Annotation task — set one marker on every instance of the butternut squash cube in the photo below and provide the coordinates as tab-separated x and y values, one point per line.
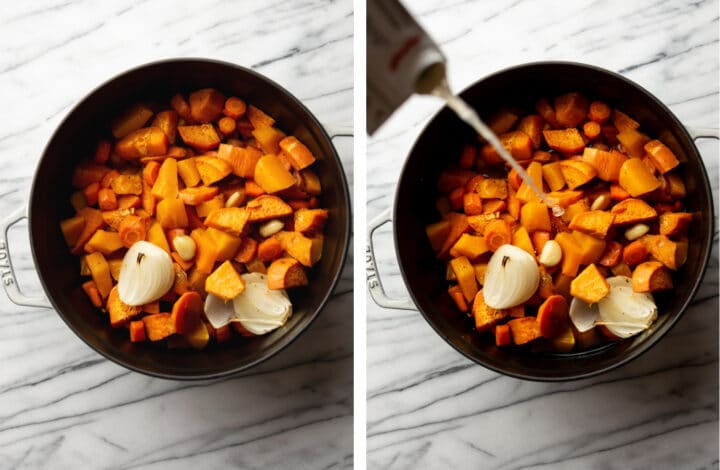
590	286
225	282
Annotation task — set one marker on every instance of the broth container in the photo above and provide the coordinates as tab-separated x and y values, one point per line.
401	60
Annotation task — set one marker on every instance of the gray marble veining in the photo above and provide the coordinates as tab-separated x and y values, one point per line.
61	404
429	407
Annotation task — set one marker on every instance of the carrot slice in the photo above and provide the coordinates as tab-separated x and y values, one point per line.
553	316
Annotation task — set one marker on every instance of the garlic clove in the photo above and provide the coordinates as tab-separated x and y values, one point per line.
185	247
259	309
512	277
146	274
551	254
271	227
582	315
217	311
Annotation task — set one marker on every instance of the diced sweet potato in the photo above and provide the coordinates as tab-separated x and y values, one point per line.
567	141
532	126
553	317
198	195
225	282
651	276
202	137
167	121
486	317
595	223
132	120
93	221
606	164
572	253
517	143
566	198
271	175
622	121
636	178
170	213
571	109
454	178
212	169
525	193
534	216
591	248
285	273
552	174
118	311
670	253
492	188
104	242
268	139
306	250
226	244
502	121
632	211
612	254
633	142
145	142
127	184
523	330
674	223
521	239
166	184
576	173
258	118
206	105
661	156
229	219
267	207
159	326
470	246
137	331
590	286
71	229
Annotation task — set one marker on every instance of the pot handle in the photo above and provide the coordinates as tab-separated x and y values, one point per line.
373	275
7	272
339	131
703	132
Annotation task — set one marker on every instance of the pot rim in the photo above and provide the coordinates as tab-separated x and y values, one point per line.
286	340
652	338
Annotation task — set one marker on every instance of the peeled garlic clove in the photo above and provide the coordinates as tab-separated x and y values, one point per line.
512	277
146	274
185	247
259	309
582	315
270	227
551	253
625	312
217	311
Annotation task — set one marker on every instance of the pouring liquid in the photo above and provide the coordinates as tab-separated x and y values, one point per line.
469	116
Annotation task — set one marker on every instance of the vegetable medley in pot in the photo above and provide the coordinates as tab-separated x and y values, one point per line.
570	282
195	217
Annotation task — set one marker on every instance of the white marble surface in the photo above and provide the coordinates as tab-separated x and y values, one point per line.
61	404
429	407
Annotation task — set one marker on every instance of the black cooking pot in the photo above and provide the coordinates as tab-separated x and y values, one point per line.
58	270
415	208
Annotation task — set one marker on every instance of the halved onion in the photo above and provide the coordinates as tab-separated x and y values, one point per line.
582	315
146	274
625	312
218	312
512	277
260	309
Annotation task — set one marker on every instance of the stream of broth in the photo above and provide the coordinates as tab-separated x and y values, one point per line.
469	116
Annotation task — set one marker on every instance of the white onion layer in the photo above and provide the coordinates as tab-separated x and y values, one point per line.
146	274
512	277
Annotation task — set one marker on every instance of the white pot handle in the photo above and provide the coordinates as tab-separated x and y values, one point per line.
7	272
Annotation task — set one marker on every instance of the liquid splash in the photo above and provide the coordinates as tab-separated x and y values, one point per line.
469	116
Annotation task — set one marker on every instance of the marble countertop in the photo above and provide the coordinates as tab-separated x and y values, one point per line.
61	404
428	406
